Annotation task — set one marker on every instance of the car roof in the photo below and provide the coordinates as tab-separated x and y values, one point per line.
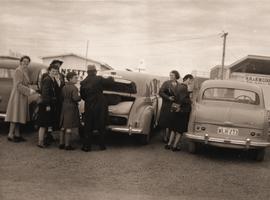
140	79
132	76
231	84
8	63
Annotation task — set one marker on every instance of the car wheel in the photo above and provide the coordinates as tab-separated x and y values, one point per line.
259	154
193	147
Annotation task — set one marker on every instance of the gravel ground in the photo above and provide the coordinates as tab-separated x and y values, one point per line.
128	171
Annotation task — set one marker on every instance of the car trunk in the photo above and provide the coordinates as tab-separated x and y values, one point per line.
230	114
120	100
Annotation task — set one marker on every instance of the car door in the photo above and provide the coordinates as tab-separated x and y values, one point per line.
6	83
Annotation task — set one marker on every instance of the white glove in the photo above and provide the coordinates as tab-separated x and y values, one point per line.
32	91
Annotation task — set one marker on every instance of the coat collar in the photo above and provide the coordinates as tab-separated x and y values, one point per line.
25	72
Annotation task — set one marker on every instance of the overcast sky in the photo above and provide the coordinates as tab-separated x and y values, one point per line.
164	35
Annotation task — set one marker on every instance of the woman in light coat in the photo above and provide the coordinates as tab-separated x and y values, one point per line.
18	107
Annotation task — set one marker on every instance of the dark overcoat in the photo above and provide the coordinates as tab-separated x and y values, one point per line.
166	91
179	122
59	100
70	116
46	118
58	85
96	107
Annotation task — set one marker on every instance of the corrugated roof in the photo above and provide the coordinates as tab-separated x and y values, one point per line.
78	56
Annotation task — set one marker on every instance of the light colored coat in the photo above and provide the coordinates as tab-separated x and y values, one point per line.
18	107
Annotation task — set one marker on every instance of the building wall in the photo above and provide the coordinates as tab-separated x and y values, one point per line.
72	62
216	73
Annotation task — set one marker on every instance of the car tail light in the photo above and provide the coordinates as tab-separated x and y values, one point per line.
255	134
199	127
268	116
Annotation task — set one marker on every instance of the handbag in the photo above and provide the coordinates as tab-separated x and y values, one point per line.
175	107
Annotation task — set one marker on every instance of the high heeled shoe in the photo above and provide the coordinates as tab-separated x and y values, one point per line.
167	146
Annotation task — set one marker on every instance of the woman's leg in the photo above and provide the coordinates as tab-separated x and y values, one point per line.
171	138
11	130
166	135
17	130
177	139
67	137
67	140
41	136
62	137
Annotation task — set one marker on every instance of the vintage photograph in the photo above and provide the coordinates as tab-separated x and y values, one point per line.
134	100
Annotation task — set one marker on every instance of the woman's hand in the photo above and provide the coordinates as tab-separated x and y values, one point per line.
32	91
171	98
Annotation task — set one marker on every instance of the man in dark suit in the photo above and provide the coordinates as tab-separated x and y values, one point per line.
96	107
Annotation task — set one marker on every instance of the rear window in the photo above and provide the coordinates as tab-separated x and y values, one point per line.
232	95
6	73
121	85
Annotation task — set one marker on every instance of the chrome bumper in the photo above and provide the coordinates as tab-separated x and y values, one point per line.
128	130
2	115
210	140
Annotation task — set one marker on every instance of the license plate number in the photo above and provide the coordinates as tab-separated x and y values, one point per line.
227	131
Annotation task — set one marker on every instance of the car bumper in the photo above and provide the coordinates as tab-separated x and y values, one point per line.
128	130
227	142
2	115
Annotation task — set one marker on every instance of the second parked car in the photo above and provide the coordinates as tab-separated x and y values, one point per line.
230	114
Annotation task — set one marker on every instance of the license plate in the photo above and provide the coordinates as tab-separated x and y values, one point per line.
227	131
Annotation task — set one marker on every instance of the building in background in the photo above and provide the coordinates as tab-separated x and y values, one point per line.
253	69
73	62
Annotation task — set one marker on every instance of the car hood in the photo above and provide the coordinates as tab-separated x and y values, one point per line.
230	114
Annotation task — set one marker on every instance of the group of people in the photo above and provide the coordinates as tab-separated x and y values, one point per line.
176	108
58	105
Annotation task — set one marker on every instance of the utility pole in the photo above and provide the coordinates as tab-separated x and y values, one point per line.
224	35
86	54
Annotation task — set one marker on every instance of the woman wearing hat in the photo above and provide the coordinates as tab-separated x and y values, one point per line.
47	105
96	108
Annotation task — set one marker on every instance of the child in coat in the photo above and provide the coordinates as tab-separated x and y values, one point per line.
70	116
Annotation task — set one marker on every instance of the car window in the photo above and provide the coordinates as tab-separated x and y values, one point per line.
6	73
232	94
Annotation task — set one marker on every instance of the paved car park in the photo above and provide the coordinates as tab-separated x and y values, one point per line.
128	170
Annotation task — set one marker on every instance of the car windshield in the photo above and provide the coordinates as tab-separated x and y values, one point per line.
232	94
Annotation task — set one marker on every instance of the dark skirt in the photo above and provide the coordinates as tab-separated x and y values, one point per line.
165	115
45	118
179	121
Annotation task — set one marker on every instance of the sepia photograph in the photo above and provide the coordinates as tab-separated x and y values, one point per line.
134	100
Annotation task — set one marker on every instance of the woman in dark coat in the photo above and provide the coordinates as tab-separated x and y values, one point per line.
70	116
180	112
47	106
167	93
96	108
